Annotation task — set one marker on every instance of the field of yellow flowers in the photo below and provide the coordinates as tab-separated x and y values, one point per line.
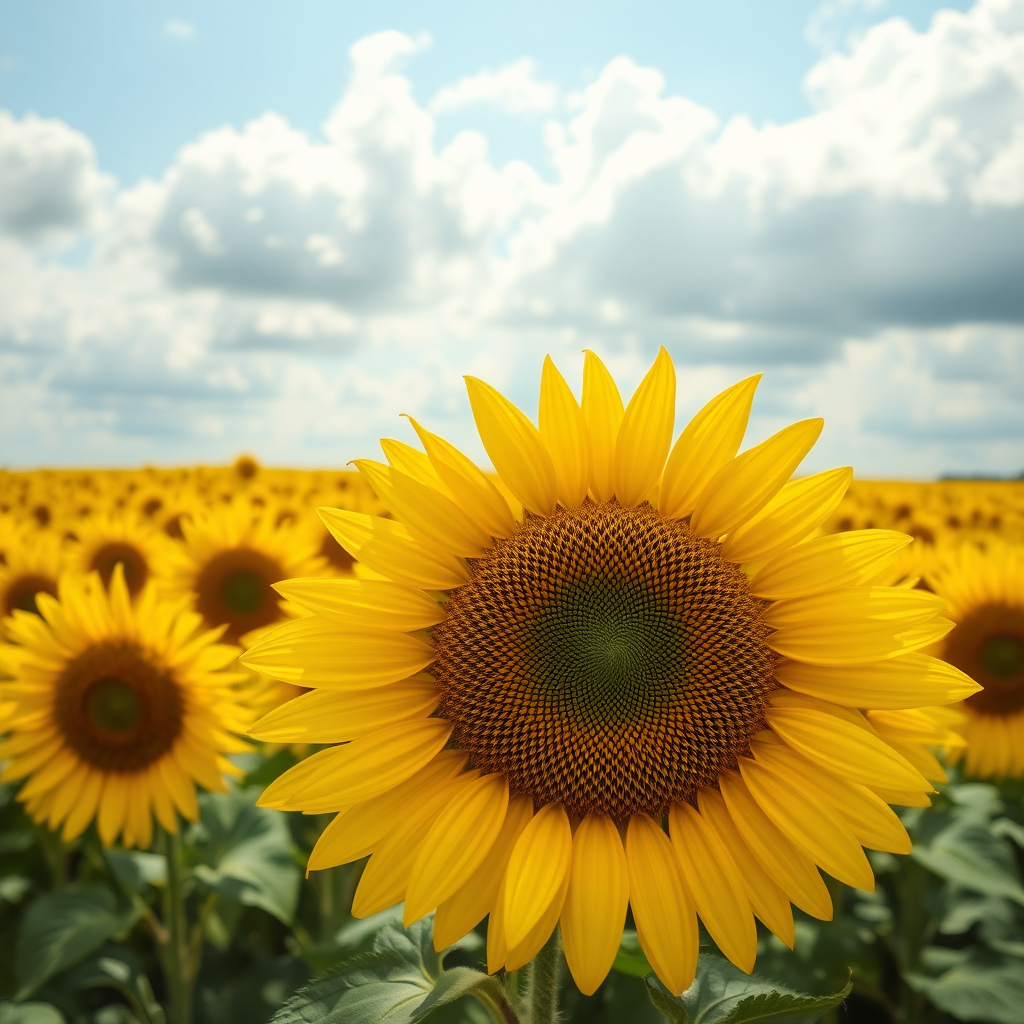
164	858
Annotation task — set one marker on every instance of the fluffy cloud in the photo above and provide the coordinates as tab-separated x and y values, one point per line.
50	187
291	292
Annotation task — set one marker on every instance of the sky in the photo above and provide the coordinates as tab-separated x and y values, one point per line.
274	228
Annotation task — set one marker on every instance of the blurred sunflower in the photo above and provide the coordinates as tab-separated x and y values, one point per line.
110	539
984	594
32	566
116	711
613	659
228	562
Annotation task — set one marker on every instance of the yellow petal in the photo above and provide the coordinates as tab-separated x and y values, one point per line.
596	903
519	956
84	808
711	439
817	829
327	716
785	863
602	411
712	880
318	652
364	604
827	563
871	820
538	866
877	604
910	681
357	831
456	844
645	434
468	484
797	510
845	749
389	548
666	922
464	910
741	488
565	433
426	511
767	900
414	463
362	769
113	805
385	878
515	448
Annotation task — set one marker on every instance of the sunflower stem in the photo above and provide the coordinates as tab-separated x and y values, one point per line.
179	989
542	982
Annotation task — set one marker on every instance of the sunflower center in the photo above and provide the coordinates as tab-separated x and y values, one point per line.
606	658
22	592
113	707
234	587
988	644
118	708
131	560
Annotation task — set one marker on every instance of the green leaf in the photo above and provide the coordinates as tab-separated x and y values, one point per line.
247	853
400	981
630	958
722	994
63	927
30	1013
976	991
137	869
969	854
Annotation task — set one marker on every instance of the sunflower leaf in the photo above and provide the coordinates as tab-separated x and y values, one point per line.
968	853
976	990
722	994
30	1013
247	853
400	981
62	928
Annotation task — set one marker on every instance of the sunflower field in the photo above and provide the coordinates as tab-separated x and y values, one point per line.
637	724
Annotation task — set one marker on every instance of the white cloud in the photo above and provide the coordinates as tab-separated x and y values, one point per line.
292	292
514	88
50	187
177	28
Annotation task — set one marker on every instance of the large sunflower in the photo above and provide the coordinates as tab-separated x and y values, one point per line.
643	693
228	562
984	594
116	711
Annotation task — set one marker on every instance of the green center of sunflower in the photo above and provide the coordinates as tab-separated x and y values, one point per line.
606	658
235	588
1003	656
118	707
244	592
113	707
611	647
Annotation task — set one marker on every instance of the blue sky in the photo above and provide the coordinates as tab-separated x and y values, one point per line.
141	79
273	227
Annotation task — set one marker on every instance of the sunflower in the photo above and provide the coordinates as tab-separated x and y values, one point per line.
984	592
32	565
117	712
229	560
118	538
642	694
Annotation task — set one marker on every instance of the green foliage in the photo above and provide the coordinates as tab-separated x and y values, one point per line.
62	928
246	853
400	981
722	994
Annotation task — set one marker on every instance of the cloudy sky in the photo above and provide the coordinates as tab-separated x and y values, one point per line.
271	227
